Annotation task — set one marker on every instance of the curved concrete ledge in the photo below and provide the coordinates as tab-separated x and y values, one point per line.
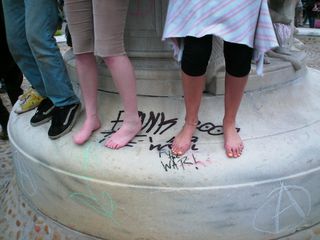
160	76
142	192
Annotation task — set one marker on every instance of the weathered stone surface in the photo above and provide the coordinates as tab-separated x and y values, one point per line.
143	192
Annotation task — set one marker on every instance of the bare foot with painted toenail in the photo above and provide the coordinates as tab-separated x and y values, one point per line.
182	141
232	142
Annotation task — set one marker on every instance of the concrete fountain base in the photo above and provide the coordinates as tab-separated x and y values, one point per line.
143	192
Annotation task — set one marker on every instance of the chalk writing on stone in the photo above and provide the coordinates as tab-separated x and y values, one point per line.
284	210
27	181
99	202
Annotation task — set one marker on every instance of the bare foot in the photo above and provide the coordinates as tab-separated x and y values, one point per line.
89	126
125	134
232	141
182	141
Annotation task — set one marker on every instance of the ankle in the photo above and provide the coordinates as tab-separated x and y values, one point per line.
191	121
92	116
229	121
132	119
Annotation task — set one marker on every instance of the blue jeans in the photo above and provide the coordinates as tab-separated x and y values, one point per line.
30	27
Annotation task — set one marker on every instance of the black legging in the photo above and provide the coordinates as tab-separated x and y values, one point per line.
197	52
9	72
13	79
4	116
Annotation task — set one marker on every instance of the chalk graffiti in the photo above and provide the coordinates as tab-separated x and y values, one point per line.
101	203
172	162
285	209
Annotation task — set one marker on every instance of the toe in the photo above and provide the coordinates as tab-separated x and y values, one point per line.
176	150
77	140
236	153
229	151
240	151
109	144
241	147
116	146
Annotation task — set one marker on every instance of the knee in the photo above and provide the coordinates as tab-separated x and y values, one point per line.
110	61
196	55
117	61
238	59
14	43
85	59
40	37
33	37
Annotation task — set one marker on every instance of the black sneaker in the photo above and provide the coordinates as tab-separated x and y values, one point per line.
43	113
63	119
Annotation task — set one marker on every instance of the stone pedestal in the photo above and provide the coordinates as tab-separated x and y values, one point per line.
143	192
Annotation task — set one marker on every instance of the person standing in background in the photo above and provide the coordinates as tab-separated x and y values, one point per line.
310	13
11	75
298	20
30	27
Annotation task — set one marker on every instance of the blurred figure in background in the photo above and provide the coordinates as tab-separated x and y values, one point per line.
310	13
11	76
298	22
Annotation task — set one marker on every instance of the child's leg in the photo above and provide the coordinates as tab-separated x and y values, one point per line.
192	88
194	63
80	22
234	88
238	64
123	76
109	23
87	73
